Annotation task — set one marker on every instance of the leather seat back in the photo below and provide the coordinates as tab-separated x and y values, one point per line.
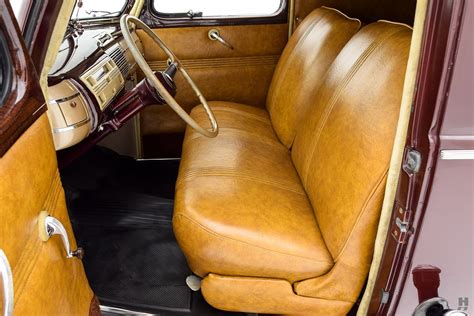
343	147
304	62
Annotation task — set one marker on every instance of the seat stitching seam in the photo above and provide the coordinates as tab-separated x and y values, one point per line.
188	175
246	243
271	142
331	104
335	97
291	57
236	111
239	112
362	211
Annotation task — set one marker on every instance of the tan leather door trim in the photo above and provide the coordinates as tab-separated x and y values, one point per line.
221	62
45	282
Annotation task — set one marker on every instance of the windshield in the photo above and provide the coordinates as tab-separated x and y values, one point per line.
94	9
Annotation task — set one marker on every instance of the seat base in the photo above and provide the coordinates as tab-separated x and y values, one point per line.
266	296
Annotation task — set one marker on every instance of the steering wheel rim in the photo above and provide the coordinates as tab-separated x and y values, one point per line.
169	99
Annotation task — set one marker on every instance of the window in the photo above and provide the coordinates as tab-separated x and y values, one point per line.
20	8
213	8
5	70
94	9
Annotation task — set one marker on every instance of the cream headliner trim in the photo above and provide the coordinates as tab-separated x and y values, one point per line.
137	8
55	42
397	153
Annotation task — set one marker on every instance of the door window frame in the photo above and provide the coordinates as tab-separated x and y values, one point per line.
155	19
6	70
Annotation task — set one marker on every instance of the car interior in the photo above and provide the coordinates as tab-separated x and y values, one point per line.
205	163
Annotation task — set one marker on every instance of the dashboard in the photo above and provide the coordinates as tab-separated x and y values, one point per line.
90	73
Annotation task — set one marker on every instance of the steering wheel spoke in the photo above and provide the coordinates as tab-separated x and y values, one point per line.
167	75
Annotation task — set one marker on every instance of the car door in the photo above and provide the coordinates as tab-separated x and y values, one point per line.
37	274
256	33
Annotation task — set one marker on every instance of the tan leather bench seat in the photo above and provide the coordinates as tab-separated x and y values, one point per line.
249	173
279	212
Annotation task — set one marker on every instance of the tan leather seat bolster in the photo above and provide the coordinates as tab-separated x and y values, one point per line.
260	295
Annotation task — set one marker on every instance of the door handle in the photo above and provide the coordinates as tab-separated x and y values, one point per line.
7	284
214	35
50	226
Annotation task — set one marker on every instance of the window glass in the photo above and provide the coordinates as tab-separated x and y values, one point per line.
214	8
5	70
18	7
94	9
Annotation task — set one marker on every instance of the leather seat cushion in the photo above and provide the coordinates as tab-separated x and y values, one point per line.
234	119
240	207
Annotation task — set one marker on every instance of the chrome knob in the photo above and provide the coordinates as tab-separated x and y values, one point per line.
214	35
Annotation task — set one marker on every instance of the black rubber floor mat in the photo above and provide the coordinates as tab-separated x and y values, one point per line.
132	259
137	269
121	210
102	168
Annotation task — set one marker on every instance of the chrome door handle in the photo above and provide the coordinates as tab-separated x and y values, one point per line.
214	35
52	226
7	284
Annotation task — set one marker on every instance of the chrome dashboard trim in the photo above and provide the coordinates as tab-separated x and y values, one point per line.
457	154
65	99
71	127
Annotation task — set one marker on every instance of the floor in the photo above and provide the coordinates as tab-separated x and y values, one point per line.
121	211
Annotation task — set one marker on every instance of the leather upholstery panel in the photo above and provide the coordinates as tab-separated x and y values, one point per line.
269	296
343	150
343	147
264	224
368	11
191	43
235	118
45	282
303	64
352	267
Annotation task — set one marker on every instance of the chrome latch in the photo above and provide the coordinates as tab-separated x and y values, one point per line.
401	227
412	162
50	226
103	39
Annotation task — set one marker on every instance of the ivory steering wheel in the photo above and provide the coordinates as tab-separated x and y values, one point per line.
169	99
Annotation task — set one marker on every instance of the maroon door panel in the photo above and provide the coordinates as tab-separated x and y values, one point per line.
446	238
439	49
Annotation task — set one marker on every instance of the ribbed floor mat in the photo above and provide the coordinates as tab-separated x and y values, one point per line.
121	211
132	259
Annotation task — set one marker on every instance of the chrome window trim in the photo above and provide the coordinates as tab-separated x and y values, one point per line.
122	311
457	154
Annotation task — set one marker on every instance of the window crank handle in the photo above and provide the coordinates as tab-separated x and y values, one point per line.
214	35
